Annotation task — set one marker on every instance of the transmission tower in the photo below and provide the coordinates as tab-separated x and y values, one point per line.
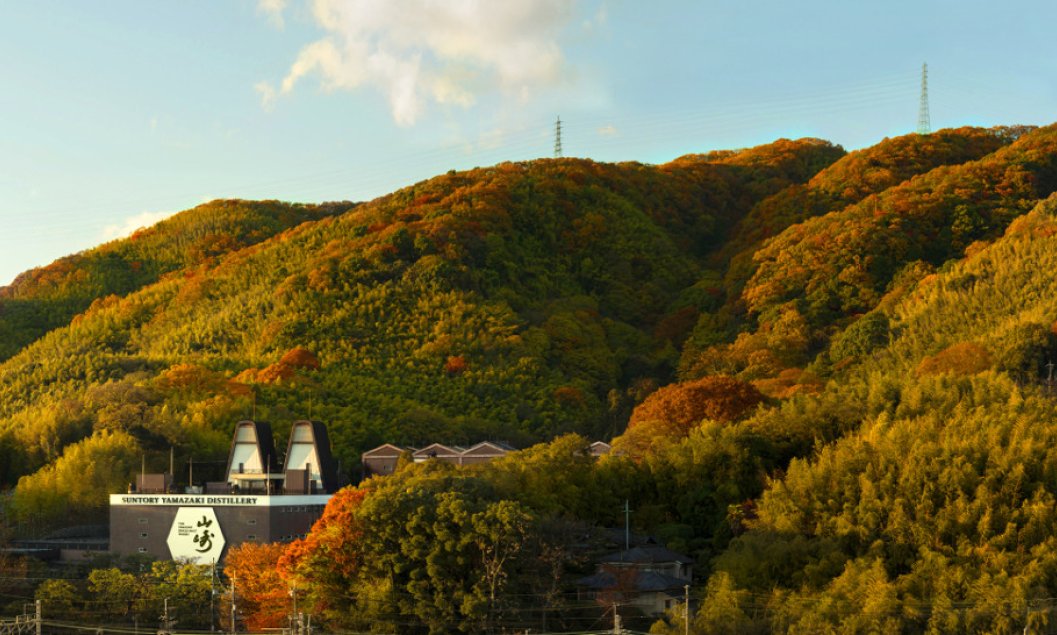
558	138
924	125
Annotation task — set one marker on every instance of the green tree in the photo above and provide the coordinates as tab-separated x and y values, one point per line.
863	336
117	596
80	480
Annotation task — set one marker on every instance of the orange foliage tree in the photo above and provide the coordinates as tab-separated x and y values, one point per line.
686	404
325	561
456	365
300	358
963	358
263	595
284	369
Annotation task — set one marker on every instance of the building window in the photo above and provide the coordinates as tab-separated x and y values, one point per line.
142	534
142	550
143	521
251	537
252	521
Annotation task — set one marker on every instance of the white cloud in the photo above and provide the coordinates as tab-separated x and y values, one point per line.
274	10
608	131
128	226
267	93
600	19
417	52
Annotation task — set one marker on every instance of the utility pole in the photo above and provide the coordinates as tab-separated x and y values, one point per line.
924	124
37	616
295	619
558	138
234	628
617	628
167	620
686	605
627	525
212	595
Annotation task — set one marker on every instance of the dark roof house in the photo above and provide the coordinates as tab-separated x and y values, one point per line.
650	577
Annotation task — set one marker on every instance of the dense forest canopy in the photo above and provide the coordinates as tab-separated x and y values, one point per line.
827	376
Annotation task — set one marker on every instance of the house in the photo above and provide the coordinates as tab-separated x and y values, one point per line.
650	577
484	452
598	448
382	459
439	451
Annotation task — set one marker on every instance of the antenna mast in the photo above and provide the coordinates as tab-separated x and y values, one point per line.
924	125
558	138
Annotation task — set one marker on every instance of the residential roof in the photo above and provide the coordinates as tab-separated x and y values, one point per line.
646	554
617	535
600	447
386	450
488	448
643	580
439	449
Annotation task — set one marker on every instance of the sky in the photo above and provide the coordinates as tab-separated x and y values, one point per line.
116	114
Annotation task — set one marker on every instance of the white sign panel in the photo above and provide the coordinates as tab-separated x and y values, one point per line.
195	535
219	500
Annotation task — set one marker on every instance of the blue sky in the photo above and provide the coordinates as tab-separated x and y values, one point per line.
115	114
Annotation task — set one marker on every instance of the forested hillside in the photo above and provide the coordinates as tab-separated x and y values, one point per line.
828	377
513	302
45	298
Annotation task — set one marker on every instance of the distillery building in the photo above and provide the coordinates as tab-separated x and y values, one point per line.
262	499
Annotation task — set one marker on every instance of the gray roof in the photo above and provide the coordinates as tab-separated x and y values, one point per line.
386	450
646	554
643	581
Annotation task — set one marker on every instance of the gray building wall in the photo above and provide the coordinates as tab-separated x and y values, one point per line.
144	529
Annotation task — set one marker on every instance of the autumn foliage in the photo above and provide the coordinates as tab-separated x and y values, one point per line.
963	358
328	556
263	595
314	567
686	404
286	368
456	365
300	358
